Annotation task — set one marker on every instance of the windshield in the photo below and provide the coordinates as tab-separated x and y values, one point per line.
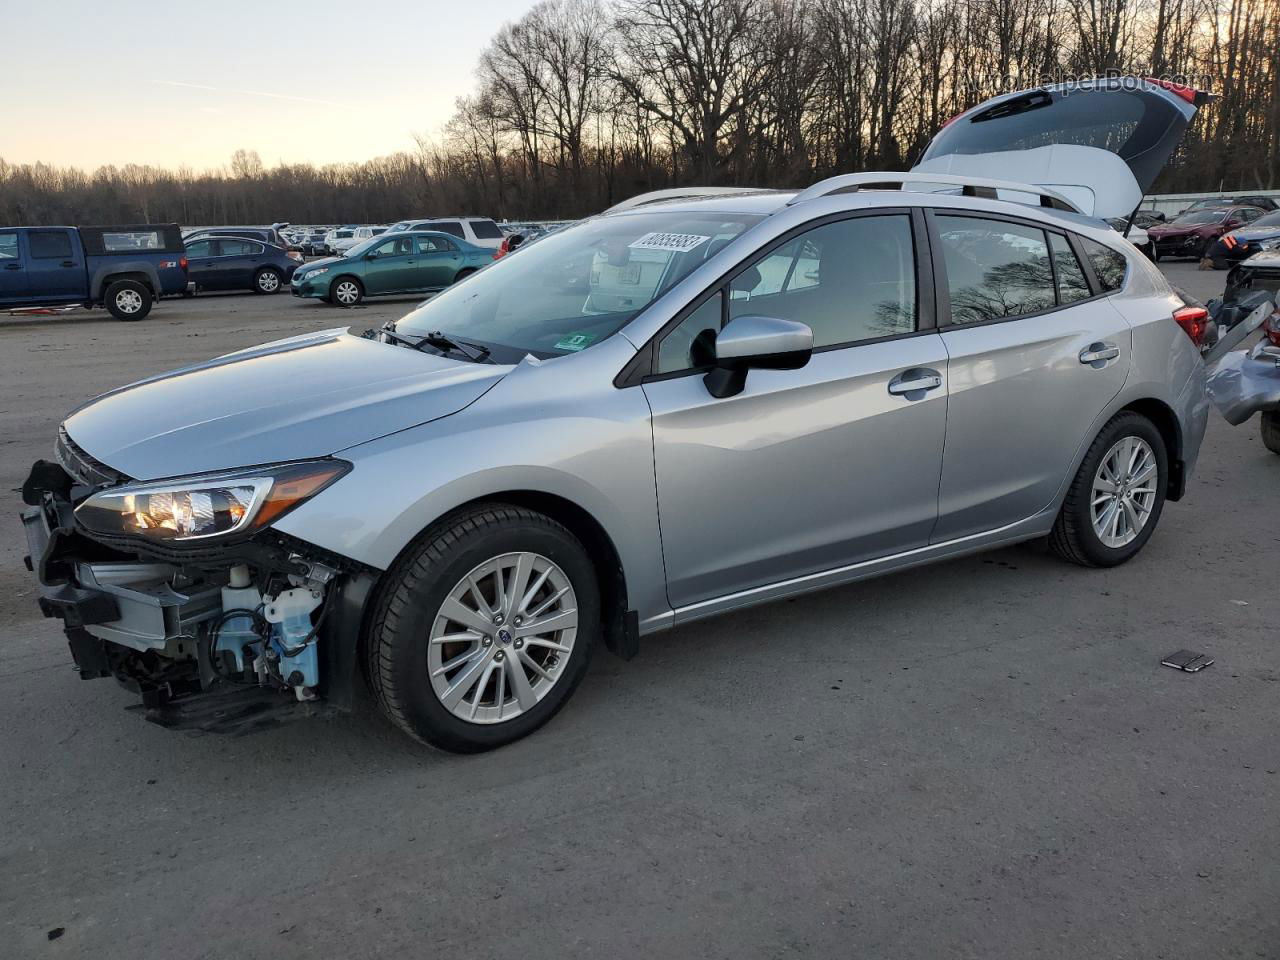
578	287
1202	216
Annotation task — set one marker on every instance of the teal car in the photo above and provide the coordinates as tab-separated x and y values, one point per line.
416	261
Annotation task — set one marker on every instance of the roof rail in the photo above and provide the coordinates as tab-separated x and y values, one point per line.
968	186
679	193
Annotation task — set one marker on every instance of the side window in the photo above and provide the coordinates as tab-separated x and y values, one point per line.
1072	285
850	280
8	246
452	227
428	245
230	247
49	245
1108	264
691	344
199	249
994	269
385	249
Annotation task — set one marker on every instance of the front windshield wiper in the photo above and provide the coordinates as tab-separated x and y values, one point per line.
437	340
475	352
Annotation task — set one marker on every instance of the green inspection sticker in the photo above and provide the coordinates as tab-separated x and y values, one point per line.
575	341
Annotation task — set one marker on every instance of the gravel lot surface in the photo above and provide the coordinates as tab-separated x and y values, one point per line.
978	759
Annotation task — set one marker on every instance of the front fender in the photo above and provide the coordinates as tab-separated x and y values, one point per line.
559	428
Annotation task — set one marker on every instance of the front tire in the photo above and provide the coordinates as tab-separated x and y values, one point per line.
483	629
1117	496
346	292
267	281
128	300
1271	430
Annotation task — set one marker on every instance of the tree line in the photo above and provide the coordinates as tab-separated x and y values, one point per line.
582	103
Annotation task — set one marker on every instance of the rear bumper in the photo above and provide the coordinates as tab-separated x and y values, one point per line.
1243	384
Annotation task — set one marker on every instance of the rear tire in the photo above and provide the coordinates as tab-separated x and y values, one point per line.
463	274
1085	532
346	292
444	707
128	300
266	280
1271	430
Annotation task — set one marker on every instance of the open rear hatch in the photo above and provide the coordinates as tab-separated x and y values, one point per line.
1100	143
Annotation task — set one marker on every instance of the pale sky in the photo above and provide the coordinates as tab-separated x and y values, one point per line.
90	82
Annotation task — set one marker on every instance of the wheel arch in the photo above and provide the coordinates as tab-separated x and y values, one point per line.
137	276
1166	421
620	623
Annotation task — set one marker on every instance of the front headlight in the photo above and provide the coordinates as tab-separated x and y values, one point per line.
1270	243
314	273
210	505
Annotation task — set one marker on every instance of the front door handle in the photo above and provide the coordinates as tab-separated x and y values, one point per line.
1097	354
917	382
68	263
13	266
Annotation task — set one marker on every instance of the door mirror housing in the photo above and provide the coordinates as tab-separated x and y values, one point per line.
371	255
765	343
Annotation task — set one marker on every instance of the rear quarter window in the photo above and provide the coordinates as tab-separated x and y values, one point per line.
486	230
1109	265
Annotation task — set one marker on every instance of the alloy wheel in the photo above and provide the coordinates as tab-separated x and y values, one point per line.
268	281
128	301
502	638
1124	491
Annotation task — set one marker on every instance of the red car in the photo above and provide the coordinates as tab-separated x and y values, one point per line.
1194	232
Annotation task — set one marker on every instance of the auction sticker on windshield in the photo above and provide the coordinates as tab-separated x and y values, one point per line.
575	341
673	242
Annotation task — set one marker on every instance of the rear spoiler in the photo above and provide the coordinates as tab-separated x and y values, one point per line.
1197	98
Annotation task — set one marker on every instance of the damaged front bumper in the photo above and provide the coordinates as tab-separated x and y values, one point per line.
156	617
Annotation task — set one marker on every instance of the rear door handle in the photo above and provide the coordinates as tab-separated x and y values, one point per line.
1097	354
68	263
915	381
13	266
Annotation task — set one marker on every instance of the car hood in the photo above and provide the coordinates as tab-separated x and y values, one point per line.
307	396
1255	233
322	262
1179	230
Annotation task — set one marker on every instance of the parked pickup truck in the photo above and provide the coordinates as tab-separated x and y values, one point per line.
122	268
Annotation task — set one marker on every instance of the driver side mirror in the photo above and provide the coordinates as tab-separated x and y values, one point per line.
755	342
371	255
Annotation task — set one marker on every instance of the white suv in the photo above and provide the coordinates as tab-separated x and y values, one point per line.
480	231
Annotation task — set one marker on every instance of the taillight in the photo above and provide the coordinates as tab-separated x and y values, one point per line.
1271	327
182	262
294	255
1194	321
503	249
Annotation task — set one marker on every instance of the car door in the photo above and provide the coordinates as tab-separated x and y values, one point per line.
238	261
202	263
438	262
55	265
13	268
812	469
1032	363
391	266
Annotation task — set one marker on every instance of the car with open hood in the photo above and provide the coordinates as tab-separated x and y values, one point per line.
751	395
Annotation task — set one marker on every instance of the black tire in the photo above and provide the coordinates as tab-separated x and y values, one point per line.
1155	254
128	300
1073	537
1271	430
463	274
341	285
412	593
267	281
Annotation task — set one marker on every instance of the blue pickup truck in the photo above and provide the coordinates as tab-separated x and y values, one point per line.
125	269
